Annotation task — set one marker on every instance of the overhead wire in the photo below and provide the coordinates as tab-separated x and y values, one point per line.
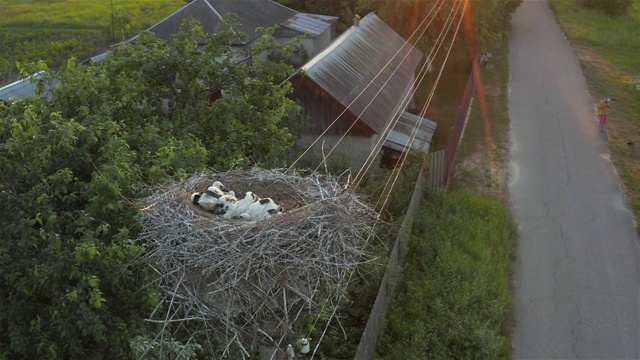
396	117
423	111
421	76
365	88
402	103
405	154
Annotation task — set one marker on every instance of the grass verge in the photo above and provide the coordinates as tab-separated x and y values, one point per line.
483	156
454	296
609	53
455	299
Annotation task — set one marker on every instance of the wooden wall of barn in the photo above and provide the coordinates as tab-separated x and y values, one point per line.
322	109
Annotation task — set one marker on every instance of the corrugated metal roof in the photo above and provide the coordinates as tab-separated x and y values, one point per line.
314	24
347	67
401	133
21	89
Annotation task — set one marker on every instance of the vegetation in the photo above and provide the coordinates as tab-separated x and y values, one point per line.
144	116
54	31
72	162
483	156
454	296
608	52
490	17
612	8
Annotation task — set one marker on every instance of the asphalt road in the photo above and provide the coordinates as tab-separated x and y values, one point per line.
576	276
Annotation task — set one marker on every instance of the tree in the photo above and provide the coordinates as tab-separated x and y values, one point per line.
490	17
73	163
6	68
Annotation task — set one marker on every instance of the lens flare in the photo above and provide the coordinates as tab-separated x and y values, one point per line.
484	112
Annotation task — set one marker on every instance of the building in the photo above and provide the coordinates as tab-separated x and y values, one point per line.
251	14
357	91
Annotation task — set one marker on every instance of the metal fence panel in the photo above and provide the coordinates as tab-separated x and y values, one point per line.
437	161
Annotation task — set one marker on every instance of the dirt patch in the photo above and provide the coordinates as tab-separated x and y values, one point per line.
492	91
479	173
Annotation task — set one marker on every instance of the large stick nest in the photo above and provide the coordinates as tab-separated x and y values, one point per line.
242	277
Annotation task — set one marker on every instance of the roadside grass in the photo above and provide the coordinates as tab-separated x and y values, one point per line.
609	53
454	298
483	157
53	31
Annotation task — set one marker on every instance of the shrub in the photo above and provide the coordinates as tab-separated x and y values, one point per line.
453	298
611	8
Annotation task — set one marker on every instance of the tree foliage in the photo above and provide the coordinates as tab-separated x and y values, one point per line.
73	160
490	17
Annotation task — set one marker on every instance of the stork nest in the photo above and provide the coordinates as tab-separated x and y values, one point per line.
249	281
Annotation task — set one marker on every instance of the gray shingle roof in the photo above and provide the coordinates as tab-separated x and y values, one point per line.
350	67
197	9
254	13
251	15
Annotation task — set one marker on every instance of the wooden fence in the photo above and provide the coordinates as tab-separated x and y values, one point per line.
375	324
440	166
453	144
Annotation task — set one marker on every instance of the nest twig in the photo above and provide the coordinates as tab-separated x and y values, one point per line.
248	282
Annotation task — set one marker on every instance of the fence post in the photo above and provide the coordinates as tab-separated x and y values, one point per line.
461	120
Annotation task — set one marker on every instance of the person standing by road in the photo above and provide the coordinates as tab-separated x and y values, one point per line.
603	112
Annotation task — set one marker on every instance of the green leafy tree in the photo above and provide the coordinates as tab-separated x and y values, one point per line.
490	17
6	68
71	163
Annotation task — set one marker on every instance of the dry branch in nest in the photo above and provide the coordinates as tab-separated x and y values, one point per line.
248	281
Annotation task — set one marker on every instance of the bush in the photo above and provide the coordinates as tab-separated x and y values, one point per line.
71	162
611	8
453	299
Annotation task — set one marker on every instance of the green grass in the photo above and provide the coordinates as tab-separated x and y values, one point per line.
483	156
618	39
54	30
454	298
609	53
82	14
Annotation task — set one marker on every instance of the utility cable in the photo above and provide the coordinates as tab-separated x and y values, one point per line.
363	90
405	155
421	75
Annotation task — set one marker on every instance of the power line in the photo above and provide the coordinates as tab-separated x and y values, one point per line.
402	103
362	91
398	172
405	154
396	117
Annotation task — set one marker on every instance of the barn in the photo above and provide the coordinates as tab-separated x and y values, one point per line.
358	90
